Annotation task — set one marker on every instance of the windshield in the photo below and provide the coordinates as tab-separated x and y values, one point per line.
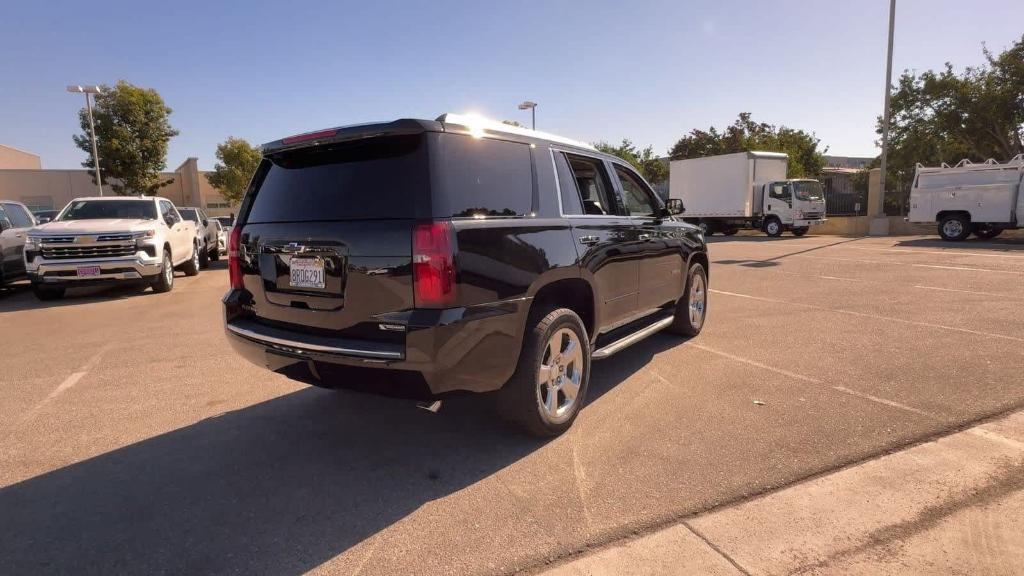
807	190
189	214
98	209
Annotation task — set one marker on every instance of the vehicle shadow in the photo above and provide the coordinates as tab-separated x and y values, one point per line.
1008	244
774	261
279	487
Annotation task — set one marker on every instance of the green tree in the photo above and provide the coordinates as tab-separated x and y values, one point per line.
132	132
237	161
945	117
650	167
744	135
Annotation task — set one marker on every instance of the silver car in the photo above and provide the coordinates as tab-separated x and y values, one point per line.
15	220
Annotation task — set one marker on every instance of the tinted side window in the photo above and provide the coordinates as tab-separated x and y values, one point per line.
3	217
571	203
476	177
595	188
18	216
638	202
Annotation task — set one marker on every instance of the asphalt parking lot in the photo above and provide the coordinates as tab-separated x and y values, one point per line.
132	439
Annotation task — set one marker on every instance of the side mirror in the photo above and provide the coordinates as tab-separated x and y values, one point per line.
674	206
43	219
5	224
169	220
206	222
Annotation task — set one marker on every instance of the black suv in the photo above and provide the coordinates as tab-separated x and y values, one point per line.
421	258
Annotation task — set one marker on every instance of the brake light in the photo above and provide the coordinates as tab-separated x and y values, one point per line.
309	136
433	265
234	258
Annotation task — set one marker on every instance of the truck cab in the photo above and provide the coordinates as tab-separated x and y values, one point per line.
795	204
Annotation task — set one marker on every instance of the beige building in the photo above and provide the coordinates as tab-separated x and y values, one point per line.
23	179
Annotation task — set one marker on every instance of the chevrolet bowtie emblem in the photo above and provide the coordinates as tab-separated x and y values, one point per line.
85	239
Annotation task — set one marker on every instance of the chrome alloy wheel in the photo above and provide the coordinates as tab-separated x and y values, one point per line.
953	228
773	227
560	376
168	270
698	301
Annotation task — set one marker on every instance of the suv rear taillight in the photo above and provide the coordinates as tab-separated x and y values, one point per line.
234	259
433	265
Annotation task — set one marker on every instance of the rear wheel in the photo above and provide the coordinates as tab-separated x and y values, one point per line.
986	231
165	279
215	253
955	227
692	308
773	227
47	293
550	382
730	231
799	231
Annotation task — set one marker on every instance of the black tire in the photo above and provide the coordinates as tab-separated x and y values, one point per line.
730	231
165	279
47	293
215	253
955	228
204	257
986	231
773	227
799	231
685	324
191	268
522	399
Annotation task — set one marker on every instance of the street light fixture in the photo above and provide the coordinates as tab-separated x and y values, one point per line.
87	90
532	107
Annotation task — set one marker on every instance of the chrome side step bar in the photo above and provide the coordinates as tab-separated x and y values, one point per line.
633	338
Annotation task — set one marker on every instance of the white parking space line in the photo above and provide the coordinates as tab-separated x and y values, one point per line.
808	379
875	316
949	252
913	265
67	383
969	292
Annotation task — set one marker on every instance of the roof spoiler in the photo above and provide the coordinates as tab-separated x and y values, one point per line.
350	132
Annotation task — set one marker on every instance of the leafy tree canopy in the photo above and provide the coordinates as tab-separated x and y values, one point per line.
237	161
744	135
945	117
132	132
650	167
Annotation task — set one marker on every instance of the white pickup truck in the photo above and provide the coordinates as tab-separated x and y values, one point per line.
111	240
983	199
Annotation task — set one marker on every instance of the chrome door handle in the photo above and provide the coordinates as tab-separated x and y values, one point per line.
644	237
589	239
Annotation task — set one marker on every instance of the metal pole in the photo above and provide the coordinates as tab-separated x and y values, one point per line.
533	116
95	153
888	90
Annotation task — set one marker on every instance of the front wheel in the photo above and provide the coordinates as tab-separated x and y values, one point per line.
165	279
773	227
550	382
191	268
692	308
204	257
799	231
955	228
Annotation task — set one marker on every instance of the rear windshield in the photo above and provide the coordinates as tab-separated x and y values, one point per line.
97	209
375	178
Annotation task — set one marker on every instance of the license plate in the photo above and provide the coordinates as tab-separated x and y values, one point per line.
87	271
307	273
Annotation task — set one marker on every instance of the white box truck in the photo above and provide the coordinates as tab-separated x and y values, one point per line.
983	199
745	190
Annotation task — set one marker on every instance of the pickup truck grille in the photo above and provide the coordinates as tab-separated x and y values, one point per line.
90	251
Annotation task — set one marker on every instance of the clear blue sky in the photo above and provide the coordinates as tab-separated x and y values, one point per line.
649	71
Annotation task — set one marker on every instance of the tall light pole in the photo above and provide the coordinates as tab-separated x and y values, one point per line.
87	90
532	107
888	90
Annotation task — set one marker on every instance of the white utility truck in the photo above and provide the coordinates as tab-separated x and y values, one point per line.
983	199
745	190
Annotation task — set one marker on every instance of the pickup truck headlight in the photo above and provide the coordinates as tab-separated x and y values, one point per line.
799	214
144	234
32	243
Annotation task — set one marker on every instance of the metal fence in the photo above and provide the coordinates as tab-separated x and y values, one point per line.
846	192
